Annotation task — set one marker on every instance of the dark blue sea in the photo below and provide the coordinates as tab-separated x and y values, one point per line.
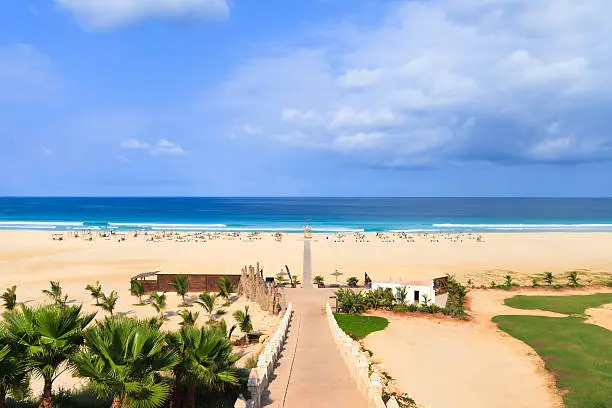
323	214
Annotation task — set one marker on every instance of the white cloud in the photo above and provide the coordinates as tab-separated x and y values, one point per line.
423	73
99	14
358	141
161	147
348	117
165	147
134	144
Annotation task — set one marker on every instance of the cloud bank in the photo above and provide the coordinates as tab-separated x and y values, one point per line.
101	14
501	81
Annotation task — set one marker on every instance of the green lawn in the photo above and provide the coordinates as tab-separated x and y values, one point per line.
572	305
360	326
577	353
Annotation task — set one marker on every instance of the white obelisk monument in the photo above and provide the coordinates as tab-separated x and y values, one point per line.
307	267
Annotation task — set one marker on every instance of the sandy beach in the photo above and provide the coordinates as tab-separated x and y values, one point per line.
30	259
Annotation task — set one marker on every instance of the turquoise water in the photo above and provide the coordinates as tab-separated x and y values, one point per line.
324	214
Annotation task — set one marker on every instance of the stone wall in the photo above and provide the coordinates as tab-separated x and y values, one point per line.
357	361
260	376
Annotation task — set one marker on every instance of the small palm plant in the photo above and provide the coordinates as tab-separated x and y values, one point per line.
352	281
108	302
158	301
225	289
426	300
573	279
49	334
548	278
96	291
319	280
55	293
181	284
9	297
123	357
205	358
137	289
402	294
189	317
207	301
508	282
244	320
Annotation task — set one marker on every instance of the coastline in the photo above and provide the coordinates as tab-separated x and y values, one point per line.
32	256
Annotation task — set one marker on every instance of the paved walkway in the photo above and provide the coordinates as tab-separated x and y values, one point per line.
311	372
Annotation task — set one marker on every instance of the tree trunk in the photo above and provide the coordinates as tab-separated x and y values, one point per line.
46	400
190	396
2	398
117	402
177	397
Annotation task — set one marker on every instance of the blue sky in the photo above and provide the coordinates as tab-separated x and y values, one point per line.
309	97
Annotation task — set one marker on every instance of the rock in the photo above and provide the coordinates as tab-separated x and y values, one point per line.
239	339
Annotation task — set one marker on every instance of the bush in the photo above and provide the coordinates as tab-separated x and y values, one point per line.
350	302
457	294
413	307
352	281
401	308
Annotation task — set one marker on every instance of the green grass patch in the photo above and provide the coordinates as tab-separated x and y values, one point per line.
572	305
578	354
360	326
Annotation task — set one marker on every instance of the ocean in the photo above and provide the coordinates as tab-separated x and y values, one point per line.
323	214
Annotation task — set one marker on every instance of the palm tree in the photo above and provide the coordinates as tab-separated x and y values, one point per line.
207	301
189	318
108	302
181	284
158	301
244	320
402	294
573	279
137	289
225	289
96	291
122	357
221	328
55	293
12	366
548	278
206	358
49	335
10	298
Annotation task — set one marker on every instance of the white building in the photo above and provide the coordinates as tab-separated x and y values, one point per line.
416	290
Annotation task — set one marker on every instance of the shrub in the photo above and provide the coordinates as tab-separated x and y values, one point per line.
319	280
433	308
350	302
352	281
457	294
401	308
413	307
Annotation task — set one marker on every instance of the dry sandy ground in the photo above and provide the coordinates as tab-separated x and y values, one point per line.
475	364
601	316
31	256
